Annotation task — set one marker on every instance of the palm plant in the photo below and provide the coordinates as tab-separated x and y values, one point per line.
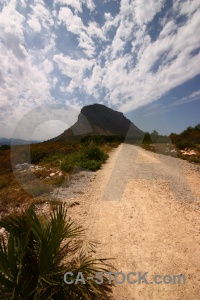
36	254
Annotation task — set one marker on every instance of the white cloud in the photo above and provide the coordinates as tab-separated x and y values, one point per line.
92	85
34	24
85	34
41	12
77	4
24	79
48	66
156	67
168	29
74	69
11	29
110	22
94	30
146	10
87	44
186	7
194	96
72	22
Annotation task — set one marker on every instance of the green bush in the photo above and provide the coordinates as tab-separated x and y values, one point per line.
37	155
53	158
39	252
184	144
66	166
94	153
91	165
90	158
93	140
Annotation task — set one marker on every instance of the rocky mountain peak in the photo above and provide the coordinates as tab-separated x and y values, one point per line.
98	119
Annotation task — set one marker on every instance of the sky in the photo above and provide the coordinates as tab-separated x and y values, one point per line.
140	57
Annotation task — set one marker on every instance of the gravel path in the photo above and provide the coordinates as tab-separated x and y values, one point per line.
77	182
134	164
143	209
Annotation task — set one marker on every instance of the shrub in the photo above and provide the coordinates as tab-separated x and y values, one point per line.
53	158
37	255
37	155
95	153
5	147
66	166
91	165
147	138
90	158
195	160
184	144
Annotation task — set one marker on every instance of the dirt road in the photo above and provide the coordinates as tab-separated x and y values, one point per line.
143	209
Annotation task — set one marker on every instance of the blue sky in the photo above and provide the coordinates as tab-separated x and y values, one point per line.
136	56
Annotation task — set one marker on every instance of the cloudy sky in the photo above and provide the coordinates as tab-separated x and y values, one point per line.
140	57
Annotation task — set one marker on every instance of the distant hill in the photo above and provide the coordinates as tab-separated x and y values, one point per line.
98	119
11	141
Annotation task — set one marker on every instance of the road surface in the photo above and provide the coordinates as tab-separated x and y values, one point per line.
143	209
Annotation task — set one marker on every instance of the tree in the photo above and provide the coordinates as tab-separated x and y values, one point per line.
5	147
147	138
154	136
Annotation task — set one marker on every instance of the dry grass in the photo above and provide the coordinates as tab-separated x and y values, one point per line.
21	187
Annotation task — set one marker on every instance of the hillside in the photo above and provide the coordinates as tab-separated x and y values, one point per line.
98	119
12	141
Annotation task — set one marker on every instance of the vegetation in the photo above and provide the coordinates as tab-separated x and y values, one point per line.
100	140
172	145
18	187
90	158
188	138
5	147
147	138
36	254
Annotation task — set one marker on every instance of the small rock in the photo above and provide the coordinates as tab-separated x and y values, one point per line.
52	174
75	203
2	231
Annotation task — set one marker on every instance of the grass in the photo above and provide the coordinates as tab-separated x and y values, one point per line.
22	187
59	181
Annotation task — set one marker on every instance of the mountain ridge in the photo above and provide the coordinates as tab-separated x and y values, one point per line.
15	141
98	119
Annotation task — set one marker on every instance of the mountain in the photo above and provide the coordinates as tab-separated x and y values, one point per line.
11	141
98	119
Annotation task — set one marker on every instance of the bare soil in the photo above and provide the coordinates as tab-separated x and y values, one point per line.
143	209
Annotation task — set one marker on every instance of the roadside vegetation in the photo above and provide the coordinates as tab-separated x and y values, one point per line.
185	145
29	172
36	252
